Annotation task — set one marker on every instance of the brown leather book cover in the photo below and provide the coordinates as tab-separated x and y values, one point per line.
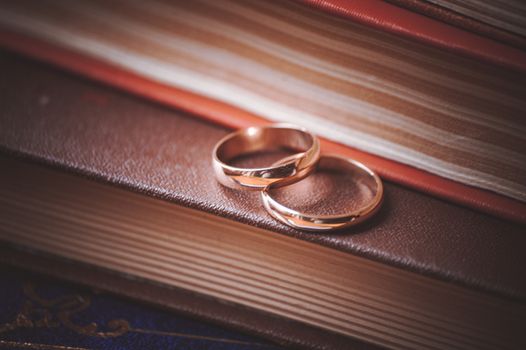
95	131
88	129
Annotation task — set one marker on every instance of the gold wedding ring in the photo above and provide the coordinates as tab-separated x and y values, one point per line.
308	222
289	170
266	138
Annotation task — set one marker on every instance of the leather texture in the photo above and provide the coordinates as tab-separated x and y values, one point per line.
94	131
232	117
400	21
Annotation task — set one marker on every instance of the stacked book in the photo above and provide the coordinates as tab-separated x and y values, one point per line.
115	190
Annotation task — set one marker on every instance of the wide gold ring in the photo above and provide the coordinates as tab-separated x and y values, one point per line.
309	222
266	138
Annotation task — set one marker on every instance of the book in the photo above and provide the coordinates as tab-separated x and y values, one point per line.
502	22
39	312
94	176
438	112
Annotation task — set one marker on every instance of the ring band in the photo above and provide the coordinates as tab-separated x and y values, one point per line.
304	221
266	138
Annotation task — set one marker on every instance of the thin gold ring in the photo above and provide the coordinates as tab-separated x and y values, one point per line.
266	138
308	222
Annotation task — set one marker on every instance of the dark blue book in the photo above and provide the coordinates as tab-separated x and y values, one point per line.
39	312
